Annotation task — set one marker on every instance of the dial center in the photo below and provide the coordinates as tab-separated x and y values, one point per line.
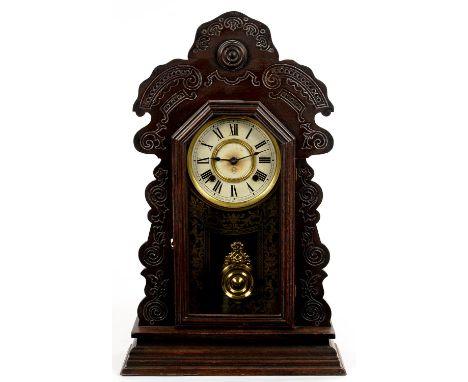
236	160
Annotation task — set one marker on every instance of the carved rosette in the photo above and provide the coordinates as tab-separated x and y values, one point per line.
155	253
313	256
232	55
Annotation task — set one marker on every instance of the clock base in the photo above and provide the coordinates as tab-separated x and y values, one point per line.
173	351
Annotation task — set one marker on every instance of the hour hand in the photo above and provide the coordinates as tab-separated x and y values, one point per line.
217	159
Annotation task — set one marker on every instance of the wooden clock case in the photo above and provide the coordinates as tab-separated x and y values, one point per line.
233	70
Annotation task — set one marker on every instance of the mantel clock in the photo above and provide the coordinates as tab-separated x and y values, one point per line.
233	262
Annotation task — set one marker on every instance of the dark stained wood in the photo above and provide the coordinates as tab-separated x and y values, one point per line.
202	358
171	351
311	308
309	334
284	96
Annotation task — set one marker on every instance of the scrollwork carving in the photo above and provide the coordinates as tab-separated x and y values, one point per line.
153	252
250	27
294	102
153	308
213	29
176	99
313	310
225	222
215	75
313	139
156	195
155	311
305	95
296	80
310	195
157	284
315	256
153	139
188	75
233	23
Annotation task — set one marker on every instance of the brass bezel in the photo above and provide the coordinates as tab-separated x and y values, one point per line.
233	205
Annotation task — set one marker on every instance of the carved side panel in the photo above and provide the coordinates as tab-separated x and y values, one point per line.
312	255
296	87
298	82
162	83
155	254
161	95
168	87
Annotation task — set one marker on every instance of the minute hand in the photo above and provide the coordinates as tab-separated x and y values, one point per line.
251	155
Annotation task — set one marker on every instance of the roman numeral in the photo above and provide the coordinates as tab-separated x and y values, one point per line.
250	187
218	186
264	160
234	128
206	175
218	133
204	144
258	145
261	175
205	160
233	191
247	136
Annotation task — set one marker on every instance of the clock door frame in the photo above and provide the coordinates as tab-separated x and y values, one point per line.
180	142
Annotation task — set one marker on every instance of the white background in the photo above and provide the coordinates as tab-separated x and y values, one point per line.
72	206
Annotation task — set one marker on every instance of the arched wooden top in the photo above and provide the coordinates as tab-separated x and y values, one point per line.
233	58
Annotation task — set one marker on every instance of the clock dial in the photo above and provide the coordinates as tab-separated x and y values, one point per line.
233	162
